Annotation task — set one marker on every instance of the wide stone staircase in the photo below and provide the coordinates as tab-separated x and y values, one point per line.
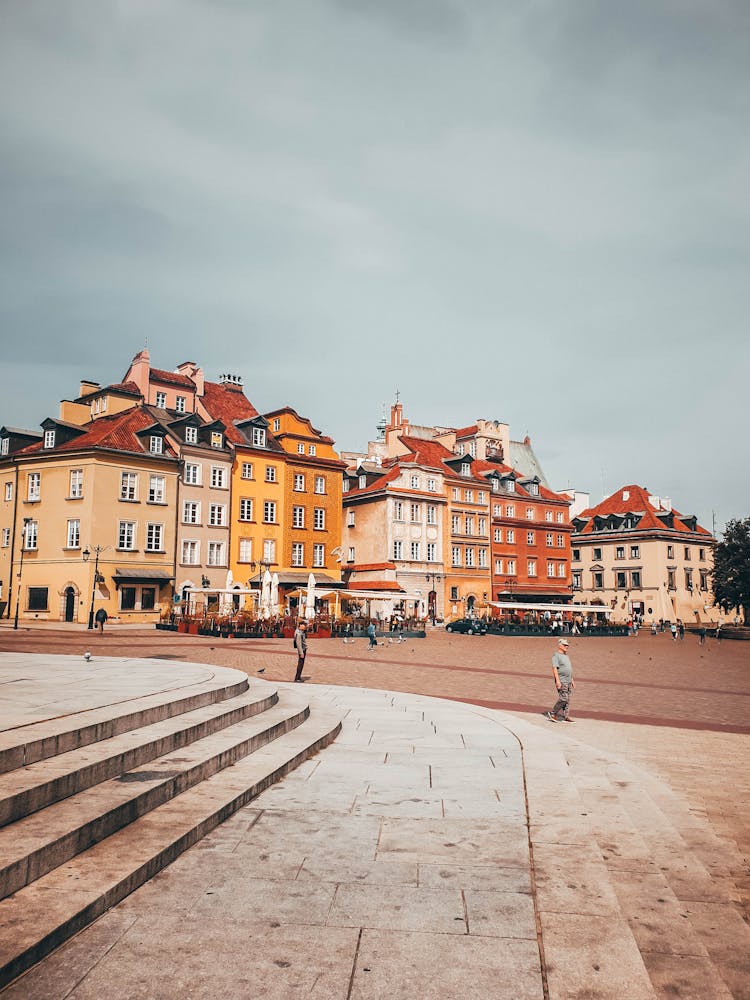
94	802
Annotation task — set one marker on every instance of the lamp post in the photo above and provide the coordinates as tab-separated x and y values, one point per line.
26	522
264	564
98	549
431	577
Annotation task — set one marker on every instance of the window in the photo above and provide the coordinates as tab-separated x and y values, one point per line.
670	580
688	579
218	477
431	552
414	550
670	552
126	535
6	537
469	525
550	569
415	482
4	446
561	570
300	449
510	535
549	539
319	556
511	567
548	515
319	519
510	510
531	567
598	581
456	493
559	517
217	515
481	497
473	449
576	555
498	567
299	482
269	512
49	439
74	535
530	538
298	554
398	549
398	511
190	553
34	483
128	486
456	556
621	580
217	441
362	482
247	470
597	553
495	485
482	530
635	579
702	555
298	517
320	484
246	509
465	468
415	513
154	537
156	485
704	579
192	474
350	554
534	489
635	552
269	550
577	581
179	404
529	513
497	510
687	553
432	485
469	496
510	486
246	550
161	400
37	599
311	450
270	473
9	491
76	484
191	512
191	435
155	444
454	593
498	534
483	558
431	514
560	541
620	552
344	486
350	519
127	598
455	524
216	553
276	424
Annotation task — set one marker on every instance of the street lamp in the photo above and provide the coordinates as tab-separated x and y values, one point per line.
431	577
98	549
26	523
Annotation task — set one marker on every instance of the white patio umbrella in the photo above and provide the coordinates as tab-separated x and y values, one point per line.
275	594
310	601
265	596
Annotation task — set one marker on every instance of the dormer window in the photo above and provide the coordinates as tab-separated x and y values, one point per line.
362	482
4	446
49	439
534	489
510	486
217	439
191	435
156	444
300	449
180	404
276	424
311	450
473	449
345	486
161	400
415	482
495	485
465	468
259	437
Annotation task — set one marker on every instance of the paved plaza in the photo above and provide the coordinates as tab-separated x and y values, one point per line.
439	849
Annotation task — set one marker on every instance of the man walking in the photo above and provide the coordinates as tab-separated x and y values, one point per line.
300	644
562	671
371	636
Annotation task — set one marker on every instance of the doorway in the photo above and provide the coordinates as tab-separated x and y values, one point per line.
70	604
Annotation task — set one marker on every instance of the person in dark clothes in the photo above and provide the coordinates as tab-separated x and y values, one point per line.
300	644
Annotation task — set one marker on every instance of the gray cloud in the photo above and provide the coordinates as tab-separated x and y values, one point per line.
528	211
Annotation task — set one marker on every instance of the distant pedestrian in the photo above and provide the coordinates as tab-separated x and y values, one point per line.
702	635
681	628
371	635
101	617
300	644
718	632
673	630
562	672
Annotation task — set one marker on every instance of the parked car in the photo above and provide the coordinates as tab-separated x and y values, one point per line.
470	626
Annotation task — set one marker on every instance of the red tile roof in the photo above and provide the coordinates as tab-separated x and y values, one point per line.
228	403
466	431
117	432
636	502
173	378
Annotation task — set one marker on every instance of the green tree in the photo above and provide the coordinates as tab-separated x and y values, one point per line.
731	572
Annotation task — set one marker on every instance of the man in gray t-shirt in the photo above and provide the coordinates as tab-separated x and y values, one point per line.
562	671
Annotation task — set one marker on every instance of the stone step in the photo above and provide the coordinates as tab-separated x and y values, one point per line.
41	916
35	845
31	788
36	741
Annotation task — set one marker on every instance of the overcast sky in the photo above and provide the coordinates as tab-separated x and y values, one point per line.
534	211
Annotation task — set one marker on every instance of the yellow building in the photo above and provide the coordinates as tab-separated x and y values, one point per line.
85	499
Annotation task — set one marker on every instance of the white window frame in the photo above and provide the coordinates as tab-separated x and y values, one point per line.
414	551
247	507
271	474
217	515
180	404
191	434
398	549
298	516
259	437
192	475
218	477
34	486
215	554
190	547
319	519
320	485
269	512
129	486
299	482
319	556
191	512
126	536
75	484
74	534
245	550
154	536
247	470
157	488
432	552
156	444
298	554
49	439
161	400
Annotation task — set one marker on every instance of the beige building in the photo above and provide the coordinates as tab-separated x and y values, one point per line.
635	553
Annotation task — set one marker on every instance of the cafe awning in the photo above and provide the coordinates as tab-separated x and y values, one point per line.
128	575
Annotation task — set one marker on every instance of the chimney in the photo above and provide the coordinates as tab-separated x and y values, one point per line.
87	387
195	373
231	380
140	371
